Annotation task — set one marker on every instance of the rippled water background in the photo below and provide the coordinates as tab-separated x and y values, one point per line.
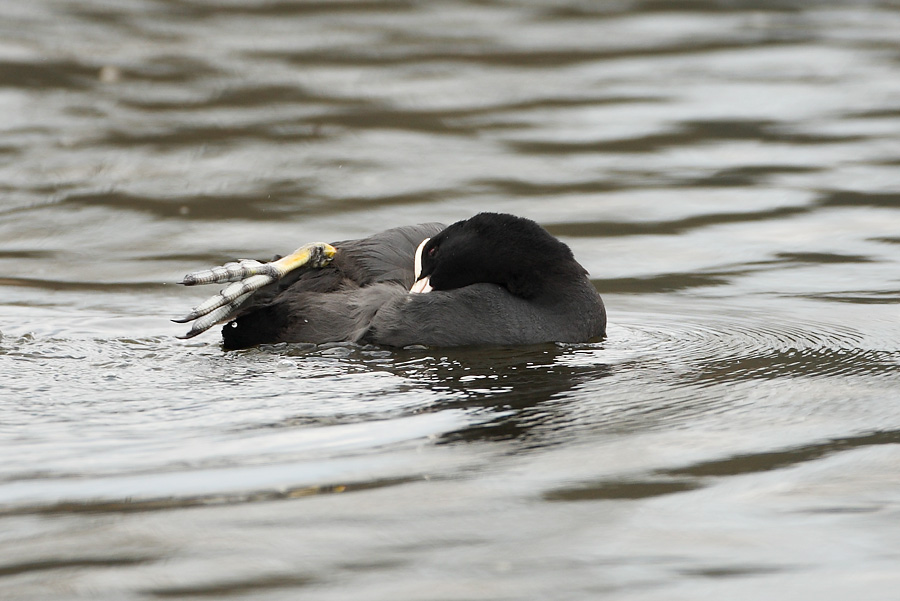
729	173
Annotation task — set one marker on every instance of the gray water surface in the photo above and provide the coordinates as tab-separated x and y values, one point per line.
726	171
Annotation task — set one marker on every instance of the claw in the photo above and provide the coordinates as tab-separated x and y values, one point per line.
229	272
246	277
213	317
227	296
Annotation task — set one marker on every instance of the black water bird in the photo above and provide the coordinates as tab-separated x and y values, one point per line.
493	279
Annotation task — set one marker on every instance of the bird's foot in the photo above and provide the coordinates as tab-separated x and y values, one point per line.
246	277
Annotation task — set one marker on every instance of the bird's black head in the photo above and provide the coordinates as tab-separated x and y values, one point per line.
496	248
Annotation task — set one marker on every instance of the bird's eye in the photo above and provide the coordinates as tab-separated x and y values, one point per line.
432	251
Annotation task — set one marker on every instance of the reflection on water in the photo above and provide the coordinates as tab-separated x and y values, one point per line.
725	171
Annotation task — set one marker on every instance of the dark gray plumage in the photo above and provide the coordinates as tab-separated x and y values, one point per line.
498	280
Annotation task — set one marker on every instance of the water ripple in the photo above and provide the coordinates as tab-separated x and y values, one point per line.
720	349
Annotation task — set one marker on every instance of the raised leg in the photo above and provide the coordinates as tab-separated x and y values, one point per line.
246	277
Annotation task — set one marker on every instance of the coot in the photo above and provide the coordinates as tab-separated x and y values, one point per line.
493	279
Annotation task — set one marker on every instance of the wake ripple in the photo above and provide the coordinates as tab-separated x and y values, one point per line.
751	344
